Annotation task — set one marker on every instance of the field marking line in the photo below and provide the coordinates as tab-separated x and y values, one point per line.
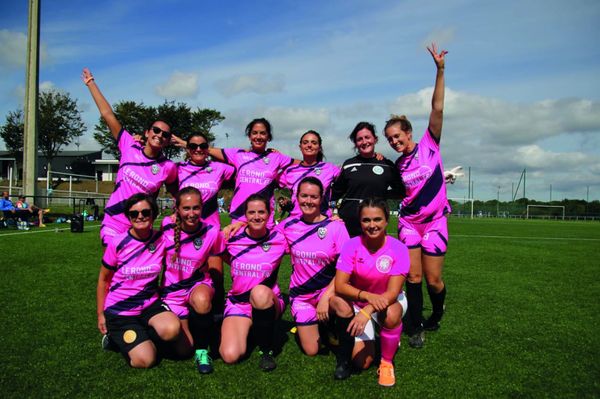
528	238
45	230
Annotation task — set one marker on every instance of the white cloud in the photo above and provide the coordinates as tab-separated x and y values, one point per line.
47	85
441	37
179	85
12	49
259	83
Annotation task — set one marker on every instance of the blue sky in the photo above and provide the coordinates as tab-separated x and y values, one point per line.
521	76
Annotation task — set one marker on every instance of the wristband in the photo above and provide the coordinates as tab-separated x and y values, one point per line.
358	296
365	313
88	80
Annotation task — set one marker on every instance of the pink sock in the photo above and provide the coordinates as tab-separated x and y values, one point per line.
389	342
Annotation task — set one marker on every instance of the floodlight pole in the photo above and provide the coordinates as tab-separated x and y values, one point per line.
31	101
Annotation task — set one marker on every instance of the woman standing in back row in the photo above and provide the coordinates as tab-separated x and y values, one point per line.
422	225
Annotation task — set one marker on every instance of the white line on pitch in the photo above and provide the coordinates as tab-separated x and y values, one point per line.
529	238
45	230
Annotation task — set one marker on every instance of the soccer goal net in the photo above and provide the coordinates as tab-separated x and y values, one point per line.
462	207
545	212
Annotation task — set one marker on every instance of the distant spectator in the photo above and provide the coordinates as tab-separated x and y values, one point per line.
34	210
285	206
5	203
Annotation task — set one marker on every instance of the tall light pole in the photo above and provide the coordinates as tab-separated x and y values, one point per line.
31	100
498	203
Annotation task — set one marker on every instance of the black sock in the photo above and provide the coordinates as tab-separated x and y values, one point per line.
414	296
437	302
201	327
264	327
344	352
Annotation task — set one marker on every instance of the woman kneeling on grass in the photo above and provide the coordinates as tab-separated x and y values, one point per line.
371	271
254	299
129	309
187	286
315	243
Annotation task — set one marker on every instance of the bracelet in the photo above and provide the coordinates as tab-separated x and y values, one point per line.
365	313
358	296
88	80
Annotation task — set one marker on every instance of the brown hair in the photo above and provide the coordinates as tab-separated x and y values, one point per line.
401	120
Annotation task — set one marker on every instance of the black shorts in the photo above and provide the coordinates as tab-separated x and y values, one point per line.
130	331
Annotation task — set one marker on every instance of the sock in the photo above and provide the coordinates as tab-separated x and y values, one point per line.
437	302
264	327
414	296
201	327
390	337
344	352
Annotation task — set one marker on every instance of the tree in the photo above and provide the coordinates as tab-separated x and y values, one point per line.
12	133
59	124
137	117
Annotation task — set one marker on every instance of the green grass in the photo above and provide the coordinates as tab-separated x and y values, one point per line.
521	321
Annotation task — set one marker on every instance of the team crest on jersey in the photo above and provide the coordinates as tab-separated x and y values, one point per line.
197	243
322	232
266	160
152	248
383	263
317	171
378	170
155	169
208	169
266	246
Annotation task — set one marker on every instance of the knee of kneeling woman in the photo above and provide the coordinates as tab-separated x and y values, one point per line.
201	302
311	349
393	316
229	355
340	307
142	361
168	331
261	297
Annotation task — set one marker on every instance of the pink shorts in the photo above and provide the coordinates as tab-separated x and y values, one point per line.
244	309
431	237
304	308
179	301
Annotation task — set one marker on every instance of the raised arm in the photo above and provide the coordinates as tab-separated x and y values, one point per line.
437	100
103	106
216	154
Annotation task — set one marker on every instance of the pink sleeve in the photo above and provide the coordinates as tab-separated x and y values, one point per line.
125	140
230	155
227	171
284	161
342	236
109	259
401	260
219	245
172	177
428	140
345	262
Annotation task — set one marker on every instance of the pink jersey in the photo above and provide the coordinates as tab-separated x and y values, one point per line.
324	171
137	266
371	272
254	262
422	173
255	174
314	249
137	174
190	267
208	179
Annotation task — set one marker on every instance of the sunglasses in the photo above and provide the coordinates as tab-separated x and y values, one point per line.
156	130
194	146
134	214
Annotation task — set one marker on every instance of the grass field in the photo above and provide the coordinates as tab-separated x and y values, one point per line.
521	321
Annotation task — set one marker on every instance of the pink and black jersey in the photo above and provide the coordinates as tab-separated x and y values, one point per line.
136	265
422	173
208	179
190	266
137	174
255	174
371	272
314	249
254	262
324	171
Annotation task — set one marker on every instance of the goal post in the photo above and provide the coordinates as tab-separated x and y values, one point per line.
548	215
467	205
